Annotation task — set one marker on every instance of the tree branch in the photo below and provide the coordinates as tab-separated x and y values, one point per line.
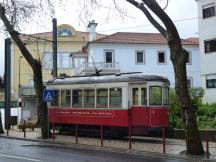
159	12
15	36
149	16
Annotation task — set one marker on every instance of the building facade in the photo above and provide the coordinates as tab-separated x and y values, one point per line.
207	41
40	46
142	52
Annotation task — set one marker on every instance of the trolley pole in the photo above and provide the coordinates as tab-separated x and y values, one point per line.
8	83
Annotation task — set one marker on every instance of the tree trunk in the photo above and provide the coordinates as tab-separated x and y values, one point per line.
193	142
1	126
37	71
41	106
178	57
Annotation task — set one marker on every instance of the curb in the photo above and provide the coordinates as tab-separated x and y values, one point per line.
116	150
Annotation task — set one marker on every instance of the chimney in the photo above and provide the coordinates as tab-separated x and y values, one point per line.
92	30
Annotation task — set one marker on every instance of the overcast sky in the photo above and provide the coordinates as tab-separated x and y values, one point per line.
183	13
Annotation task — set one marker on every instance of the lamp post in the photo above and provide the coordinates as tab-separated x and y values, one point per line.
19	88
19	85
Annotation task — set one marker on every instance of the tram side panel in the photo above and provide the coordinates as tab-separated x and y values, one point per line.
89	117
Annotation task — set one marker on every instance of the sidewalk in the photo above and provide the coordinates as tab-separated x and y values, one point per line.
139	144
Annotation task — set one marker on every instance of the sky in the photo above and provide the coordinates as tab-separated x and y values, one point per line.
183	12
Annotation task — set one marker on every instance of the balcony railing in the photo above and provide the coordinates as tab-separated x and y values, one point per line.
89	67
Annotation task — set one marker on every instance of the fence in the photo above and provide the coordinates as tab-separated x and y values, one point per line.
150	144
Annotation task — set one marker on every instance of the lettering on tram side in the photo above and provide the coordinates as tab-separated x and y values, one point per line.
85	113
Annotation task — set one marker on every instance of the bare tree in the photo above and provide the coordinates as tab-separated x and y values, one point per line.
1	83
178	57
1	126
13	12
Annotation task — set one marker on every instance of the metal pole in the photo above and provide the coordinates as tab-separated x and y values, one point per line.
24	128
76	132
54	43
164	140
129	127
101	133
207	144
53	134
19	86
8	83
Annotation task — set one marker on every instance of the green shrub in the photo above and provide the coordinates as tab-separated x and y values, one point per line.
206	113
175	111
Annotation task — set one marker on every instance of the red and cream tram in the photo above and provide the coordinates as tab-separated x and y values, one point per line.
135	99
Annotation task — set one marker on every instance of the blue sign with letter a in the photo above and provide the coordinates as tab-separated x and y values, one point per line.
48	95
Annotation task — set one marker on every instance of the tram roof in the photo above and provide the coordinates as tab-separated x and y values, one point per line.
122	77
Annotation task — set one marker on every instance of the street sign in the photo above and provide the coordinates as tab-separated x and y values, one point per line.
48	95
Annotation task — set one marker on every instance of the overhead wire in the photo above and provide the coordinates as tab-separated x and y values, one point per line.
144	25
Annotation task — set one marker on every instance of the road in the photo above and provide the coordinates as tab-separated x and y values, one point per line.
12	150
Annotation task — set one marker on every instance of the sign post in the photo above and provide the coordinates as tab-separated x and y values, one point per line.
48	95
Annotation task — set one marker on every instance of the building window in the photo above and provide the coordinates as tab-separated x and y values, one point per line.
210	46
155	97
109	56
77	98
115	98
135	96
189	82
208	11
189	58
211	81
47	61
140	57
165	95
89	98
64	32
56	99
102	98
161	57
63	60
65	97
143	96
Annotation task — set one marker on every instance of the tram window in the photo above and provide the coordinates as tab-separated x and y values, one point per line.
165	95
135	96
155	95
102	98
65	97
115	97
55	101
89	98
77	98
143	96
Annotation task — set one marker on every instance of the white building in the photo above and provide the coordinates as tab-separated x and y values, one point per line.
140	52
207	41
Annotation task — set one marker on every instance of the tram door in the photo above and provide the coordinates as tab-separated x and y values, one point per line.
139	95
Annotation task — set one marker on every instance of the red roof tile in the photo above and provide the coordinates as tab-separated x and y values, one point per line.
140	38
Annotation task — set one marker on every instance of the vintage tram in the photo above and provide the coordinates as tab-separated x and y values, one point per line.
114	101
